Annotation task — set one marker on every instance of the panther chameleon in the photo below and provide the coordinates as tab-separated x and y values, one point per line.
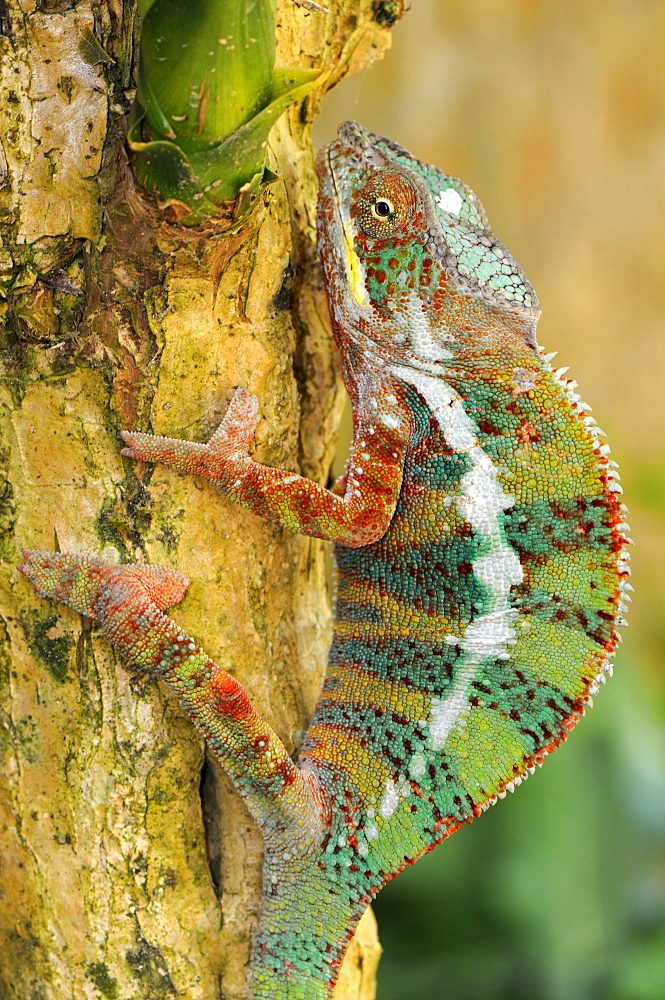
479	542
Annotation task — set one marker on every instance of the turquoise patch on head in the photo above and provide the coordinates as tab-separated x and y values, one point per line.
466	229
470	212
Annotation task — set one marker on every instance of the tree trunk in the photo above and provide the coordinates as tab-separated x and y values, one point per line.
129	869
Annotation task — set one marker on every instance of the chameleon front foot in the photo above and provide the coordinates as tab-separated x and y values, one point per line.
227	447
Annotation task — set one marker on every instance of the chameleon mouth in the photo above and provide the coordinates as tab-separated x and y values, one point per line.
354	269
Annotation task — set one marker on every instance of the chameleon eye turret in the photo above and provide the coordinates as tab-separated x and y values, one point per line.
478	533
386	206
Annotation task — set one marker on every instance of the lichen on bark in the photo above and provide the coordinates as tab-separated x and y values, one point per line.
130	869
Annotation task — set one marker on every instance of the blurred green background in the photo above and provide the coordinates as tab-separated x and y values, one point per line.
554	112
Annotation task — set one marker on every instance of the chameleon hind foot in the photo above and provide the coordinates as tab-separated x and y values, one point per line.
129	601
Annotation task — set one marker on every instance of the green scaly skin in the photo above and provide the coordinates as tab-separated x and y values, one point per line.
479	545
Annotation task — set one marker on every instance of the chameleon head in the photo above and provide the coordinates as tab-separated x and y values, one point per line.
408	257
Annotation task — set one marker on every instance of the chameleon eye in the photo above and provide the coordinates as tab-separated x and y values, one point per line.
382	208
385	205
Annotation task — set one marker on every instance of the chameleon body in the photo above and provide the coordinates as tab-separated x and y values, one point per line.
479	541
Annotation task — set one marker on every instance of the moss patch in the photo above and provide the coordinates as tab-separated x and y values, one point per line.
50	644
105	983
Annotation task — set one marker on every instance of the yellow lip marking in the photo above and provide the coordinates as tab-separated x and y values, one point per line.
354	270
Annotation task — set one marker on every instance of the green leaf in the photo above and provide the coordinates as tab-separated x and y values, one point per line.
207	98
163	167
144	6
224	169
205	67
233	167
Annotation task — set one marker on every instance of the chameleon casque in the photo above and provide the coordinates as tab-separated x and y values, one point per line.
479	541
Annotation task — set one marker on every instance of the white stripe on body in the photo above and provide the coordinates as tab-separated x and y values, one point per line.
481	502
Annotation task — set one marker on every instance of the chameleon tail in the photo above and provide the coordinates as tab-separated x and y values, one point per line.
128	602
306	924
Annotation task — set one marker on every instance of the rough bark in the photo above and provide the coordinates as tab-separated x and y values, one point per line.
129	868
